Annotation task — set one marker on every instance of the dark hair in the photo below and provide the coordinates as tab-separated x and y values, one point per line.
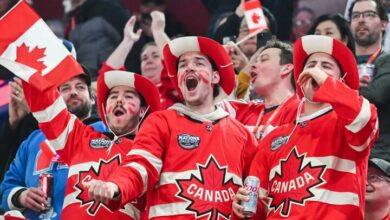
380	9
286	54
342	25
155	2
152	43
306	9
271	21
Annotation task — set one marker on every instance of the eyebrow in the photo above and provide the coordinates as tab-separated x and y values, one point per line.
197	58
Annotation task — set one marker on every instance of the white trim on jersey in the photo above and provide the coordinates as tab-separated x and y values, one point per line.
51	111
142	172
368	141
60	141
331	162
171	177
75	169
11	206
334	198
170	209
362	118
153	160
131	210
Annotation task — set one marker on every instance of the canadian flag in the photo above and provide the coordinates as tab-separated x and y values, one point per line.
30	50
254	16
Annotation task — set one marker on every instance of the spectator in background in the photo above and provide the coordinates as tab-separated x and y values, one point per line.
144	22
302	21
19	189
378	190
333	26
95	29
368	20
5	5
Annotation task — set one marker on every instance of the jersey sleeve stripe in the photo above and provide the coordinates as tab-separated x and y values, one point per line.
11	206
51	111
362	118
153	160
171	209
142	171
368	141
60	141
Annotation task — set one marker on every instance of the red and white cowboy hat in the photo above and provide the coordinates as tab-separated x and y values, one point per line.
143	86
215	51
309	44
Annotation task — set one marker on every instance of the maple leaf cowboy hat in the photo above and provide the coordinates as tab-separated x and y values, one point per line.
113	78
310	44
212	49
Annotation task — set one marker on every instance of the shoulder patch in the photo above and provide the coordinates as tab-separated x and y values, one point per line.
278	142
99	143
188	141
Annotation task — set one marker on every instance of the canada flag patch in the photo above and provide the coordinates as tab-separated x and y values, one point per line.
211	195
295	182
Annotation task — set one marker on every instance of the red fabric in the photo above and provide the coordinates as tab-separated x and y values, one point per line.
168	93
319	173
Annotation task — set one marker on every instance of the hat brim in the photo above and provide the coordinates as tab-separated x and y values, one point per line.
143	86
210	48
310	44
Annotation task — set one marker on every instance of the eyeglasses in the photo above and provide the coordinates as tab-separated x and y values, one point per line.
366	15
374	178
300	23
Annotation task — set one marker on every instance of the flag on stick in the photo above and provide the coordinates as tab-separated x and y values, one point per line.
254	16
30	50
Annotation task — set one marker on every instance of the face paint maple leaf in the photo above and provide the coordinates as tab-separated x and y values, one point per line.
104	170
31	58
210	196
295	182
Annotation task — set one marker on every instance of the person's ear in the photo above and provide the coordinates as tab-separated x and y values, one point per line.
287	69
215	78
142	111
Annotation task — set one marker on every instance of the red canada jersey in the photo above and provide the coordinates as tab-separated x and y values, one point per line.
316	168
189	169
259	120
87	153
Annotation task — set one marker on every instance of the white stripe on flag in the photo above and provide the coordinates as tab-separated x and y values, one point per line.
22	71
55	52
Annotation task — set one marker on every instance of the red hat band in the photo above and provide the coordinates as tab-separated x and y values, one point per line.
310	44
143	86
209	48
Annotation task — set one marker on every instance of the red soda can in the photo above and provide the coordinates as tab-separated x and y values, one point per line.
251	184
45	184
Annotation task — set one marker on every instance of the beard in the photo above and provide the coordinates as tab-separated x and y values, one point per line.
367	40
81	111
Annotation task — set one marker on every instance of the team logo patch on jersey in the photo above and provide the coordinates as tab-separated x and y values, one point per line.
188	141
100	172
278	142
209	191
99	143
295	182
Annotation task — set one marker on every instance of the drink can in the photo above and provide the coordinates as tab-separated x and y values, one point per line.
45	184
252	184
366	71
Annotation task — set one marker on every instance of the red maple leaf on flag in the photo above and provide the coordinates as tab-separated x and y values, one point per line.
31	58
255	18
210	196
104	170
295	182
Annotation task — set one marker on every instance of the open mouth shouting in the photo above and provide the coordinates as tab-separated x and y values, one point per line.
119	111
191	82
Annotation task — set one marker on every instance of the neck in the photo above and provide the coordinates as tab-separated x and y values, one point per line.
375	211
276	96
367	50
310	108
205	107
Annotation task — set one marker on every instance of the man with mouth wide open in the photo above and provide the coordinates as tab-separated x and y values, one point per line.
191	158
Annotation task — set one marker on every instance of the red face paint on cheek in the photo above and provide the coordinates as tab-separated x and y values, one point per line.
131	108
109	109
204	76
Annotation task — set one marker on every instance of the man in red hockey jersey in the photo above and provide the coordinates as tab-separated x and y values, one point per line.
316	168
123	99
191	158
